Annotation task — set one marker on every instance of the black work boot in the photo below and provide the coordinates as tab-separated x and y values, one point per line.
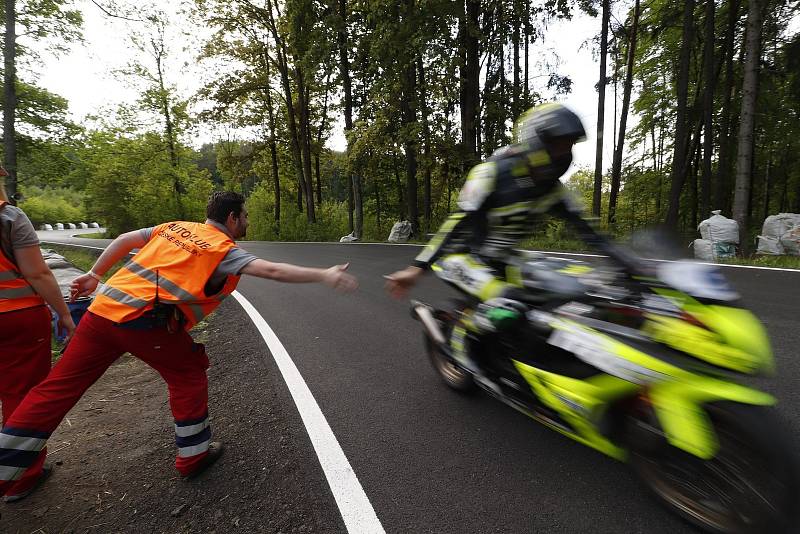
215	450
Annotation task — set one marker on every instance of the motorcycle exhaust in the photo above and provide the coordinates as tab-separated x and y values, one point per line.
423	312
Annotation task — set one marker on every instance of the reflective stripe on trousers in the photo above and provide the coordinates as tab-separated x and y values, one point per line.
192	437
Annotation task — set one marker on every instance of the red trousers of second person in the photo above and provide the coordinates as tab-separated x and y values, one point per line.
97	343
24	362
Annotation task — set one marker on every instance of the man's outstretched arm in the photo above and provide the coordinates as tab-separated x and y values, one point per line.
334	276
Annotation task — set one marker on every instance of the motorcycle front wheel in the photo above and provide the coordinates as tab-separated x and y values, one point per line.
750	486
454	376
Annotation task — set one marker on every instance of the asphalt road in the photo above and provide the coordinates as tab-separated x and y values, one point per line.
431	460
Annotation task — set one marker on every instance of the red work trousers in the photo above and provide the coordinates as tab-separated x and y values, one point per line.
97	343
24	362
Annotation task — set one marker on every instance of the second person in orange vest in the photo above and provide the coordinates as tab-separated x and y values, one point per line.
181	273
26	284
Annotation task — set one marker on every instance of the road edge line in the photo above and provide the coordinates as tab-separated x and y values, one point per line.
354	505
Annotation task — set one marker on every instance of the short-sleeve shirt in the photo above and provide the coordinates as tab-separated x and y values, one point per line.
16	231
231	265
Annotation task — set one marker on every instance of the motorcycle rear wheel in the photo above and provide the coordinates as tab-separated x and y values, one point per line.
750	486
454	376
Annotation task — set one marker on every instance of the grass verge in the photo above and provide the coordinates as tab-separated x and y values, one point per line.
96	235
81	258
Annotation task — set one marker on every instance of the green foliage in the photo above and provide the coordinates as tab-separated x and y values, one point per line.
54	205
294	226
130	182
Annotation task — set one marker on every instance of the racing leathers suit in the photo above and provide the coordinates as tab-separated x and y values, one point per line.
475	247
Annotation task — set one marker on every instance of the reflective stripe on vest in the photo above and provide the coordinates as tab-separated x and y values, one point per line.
160	280
9	275
122	297
15	292
186	298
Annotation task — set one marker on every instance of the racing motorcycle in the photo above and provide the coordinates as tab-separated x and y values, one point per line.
643	369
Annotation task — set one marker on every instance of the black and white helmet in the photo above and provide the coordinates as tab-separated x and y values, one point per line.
547	122
540	127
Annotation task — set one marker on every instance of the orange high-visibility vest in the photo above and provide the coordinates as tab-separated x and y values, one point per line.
15	292
174	266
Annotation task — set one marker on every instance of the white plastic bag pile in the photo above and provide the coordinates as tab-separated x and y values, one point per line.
400	233
349	238
780	235
719	237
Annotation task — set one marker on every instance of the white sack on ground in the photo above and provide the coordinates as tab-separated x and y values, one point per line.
703	249
777	225
791	241
400	233
769	245
719	228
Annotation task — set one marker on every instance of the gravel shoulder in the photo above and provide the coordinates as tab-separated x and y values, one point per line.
113	454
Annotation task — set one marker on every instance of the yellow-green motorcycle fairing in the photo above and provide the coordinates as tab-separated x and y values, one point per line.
581	403
734	338
677	395
679	408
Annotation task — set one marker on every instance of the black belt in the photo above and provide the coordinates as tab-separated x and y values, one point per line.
162	316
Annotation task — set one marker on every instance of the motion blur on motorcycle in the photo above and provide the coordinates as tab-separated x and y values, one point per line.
637	358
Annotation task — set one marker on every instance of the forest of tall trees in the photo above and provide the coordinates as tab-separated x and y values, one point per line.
706	96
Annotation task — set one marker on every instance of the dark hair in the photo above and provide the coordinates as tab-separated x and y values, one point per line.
222	203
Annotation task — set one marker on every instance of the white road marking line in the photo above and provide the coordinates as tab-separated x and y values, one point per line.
357	512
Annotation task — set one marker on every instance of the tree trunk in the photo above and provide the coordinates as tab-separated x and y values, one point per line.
168	126
158	54
708	109
616	171
695	167
678	173
299	190
527	26
354	191
10	101
305	144
350	205
318	180
409	117
723	181
318	147
469	77
515	103
276	181
426	187
291	119
784	192
378	205
655	148
402	206
767	186
597	194
492	76
273	150
744	159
